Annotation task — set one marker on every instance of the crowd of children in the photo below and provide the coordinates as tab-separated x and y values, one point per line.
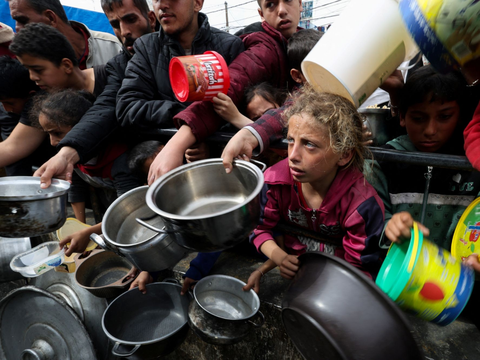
328	182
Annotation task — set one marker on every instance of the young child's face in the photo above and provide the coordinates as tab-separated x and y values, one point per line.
430	125
310	156
283	15
55	132
14	105
46	74
258	106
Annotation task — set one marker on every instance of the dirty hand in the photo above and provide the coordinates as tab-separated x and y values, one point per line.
59	166
197	152
187	284
78	242
253	281
400	225
141	281
241	145
289	266
473	262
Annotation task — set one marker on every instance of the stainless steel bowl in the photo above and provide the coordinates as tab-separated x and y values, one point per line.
205	209
26	210
223	297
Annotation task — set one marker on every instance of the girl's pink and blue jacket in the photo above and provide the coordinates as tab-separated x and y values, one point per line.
352	214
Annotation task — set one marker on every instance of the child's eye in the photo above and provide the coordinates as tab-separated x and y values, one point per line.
444	117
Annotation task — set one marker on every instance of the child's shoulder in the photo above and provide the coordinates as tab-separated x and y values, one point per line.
278	173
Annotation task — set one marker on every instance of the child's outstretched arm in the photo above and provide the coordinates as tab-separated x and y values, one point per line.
225	107
473	262
400	225
253	281
79	240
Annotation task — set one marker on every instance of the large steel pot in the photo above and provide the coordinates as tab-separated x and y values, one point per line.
145	249
332	311
146	326
26	210
205	209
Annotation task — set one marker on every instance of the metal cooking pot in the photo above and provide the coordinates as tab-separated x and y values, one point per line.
203	208
332	311
145	249
146	326
222	312
103	273
8	249
26	210
380	123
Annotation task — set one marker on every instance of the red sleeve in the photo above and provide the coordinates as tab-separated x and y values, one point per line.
258	63
472	139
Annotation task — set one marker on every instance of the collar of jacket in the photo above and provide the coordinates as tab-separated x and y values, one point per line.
203	34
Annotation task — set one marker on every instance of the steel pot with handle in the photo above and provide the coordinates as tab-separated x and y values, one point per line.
27	210
145	249
333	311
103	273
146	326
205	209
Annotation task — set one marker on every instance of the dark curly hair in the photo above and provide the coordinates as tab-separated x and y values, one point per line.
45	42
14	79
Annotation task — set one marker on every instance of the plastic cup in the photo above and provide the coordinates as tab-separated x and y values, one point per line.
426	280
199	77
360	51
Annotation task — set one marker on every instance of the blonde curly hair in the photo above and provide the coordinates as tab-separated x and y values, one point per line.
339	116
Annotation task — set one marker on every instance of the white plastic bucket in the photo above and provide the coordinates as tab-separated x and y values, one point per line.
361	49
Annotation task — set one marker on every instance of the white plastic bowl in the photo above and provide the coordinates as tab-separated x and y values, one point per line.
38	260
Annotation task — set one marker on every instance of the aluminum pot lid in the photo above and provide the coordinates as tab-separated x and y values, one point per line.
22	188
35	324
88	307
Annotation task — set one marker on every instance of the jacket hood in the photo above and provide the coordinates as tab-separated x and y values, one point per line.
279	174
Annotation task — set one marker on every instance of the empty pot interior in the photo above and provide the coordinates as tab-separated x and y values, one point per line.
223	297
205	190
102	269
120	225
136	317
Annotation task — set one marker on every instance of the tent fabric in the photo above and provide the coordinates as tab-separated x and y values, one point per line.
94	20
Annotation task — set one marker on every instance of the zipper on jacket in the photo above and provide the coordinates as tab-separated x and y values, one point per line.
428	176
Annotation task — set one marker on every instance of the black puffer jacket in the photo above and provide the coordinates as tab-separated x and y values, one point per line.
146	101
99	123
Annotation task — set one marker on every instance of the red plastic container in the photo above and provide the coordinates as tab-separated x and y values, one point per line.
199	77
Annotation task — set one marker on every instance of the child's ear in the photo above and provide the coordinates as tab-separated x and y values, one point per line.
345	158
297	76
260	12
67	65
402	120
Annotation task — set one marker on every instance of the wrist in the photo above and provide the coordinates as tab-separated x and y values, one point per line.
70	154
